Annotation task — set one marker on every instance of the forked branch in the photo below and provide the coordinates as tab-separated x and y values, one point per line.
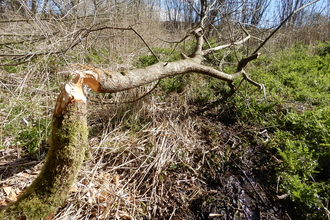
69	140
108	81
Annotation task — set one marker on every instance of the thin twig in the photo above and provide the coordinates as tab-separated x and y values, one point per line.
144	42
254	188
205	52
55	19
283	22
79	36
174	42
135	100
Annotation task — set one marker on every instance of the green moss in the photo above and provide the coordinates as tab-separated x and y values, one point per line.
49	190
32	208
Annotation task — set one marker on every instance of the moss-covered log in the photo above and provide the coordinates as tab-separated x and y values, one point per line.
68	139
68	142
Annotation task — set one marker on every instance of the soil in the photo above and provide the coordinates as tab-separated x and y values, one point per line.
235	178
240	184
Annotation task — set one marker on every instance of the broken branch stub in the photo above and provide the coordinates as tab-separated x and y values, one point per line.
106	81
69	136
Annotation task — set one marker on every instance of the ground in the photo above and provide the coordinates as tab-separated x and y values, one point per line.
221	169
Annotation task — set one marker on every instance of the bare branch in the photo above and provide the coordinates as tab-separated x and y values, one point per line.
34	40
137	99
104	16
239	42
199	44
145	43
206	12
246	60
226	45
283	22
80	35
176	42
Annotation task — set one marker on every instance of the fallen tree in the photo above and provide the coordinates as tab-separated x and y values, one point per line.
69	137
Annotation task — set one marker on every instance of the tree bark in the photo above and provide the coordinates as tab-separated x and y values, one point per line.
68	141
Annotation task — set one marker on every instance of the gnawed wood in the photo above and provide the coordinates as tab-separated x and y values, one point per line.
68	142
69	138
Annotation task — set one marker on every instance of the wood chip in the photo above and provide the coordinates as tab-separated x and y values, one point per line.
7	190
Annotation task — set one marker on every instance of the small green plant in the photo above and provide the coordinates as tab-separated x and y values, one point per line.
33	136
163	54
296	111
26	127
11	68
174	84
297	169
97	56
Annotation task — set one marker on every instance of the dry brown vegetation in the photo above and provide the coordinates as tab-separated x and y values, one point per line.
162	157
162	169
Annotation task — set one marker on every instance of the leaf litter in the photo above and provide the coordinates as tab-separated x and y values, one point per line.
182	163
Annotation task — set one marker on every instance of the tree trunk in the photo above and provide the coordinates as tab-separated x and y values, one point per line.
68	141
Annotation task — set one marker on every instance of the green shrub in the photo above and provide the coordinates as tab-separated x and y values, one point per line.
297	111
304	171
323	49
297	75
174	84
163	54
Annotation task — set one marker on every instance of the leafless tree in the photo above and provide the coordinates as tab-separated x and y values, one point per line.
69	136
286	7
253	11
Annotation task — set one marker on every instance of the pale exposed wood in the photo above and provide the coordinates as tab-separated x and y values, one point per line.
107	81
69	141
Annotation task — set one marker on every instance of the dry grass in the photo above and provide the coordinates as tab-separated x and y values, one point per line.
127	175
147	159
130	168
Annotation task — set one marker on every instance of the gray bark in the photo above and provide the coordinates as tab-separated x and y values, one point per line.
68	139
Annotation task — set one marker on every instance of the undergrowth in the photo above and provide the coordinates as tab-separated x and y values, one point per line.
296	111
155	140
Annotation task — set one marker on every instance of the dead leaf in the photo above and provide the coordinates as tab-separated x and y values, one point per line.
123	215
7	190
103	197
116	179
